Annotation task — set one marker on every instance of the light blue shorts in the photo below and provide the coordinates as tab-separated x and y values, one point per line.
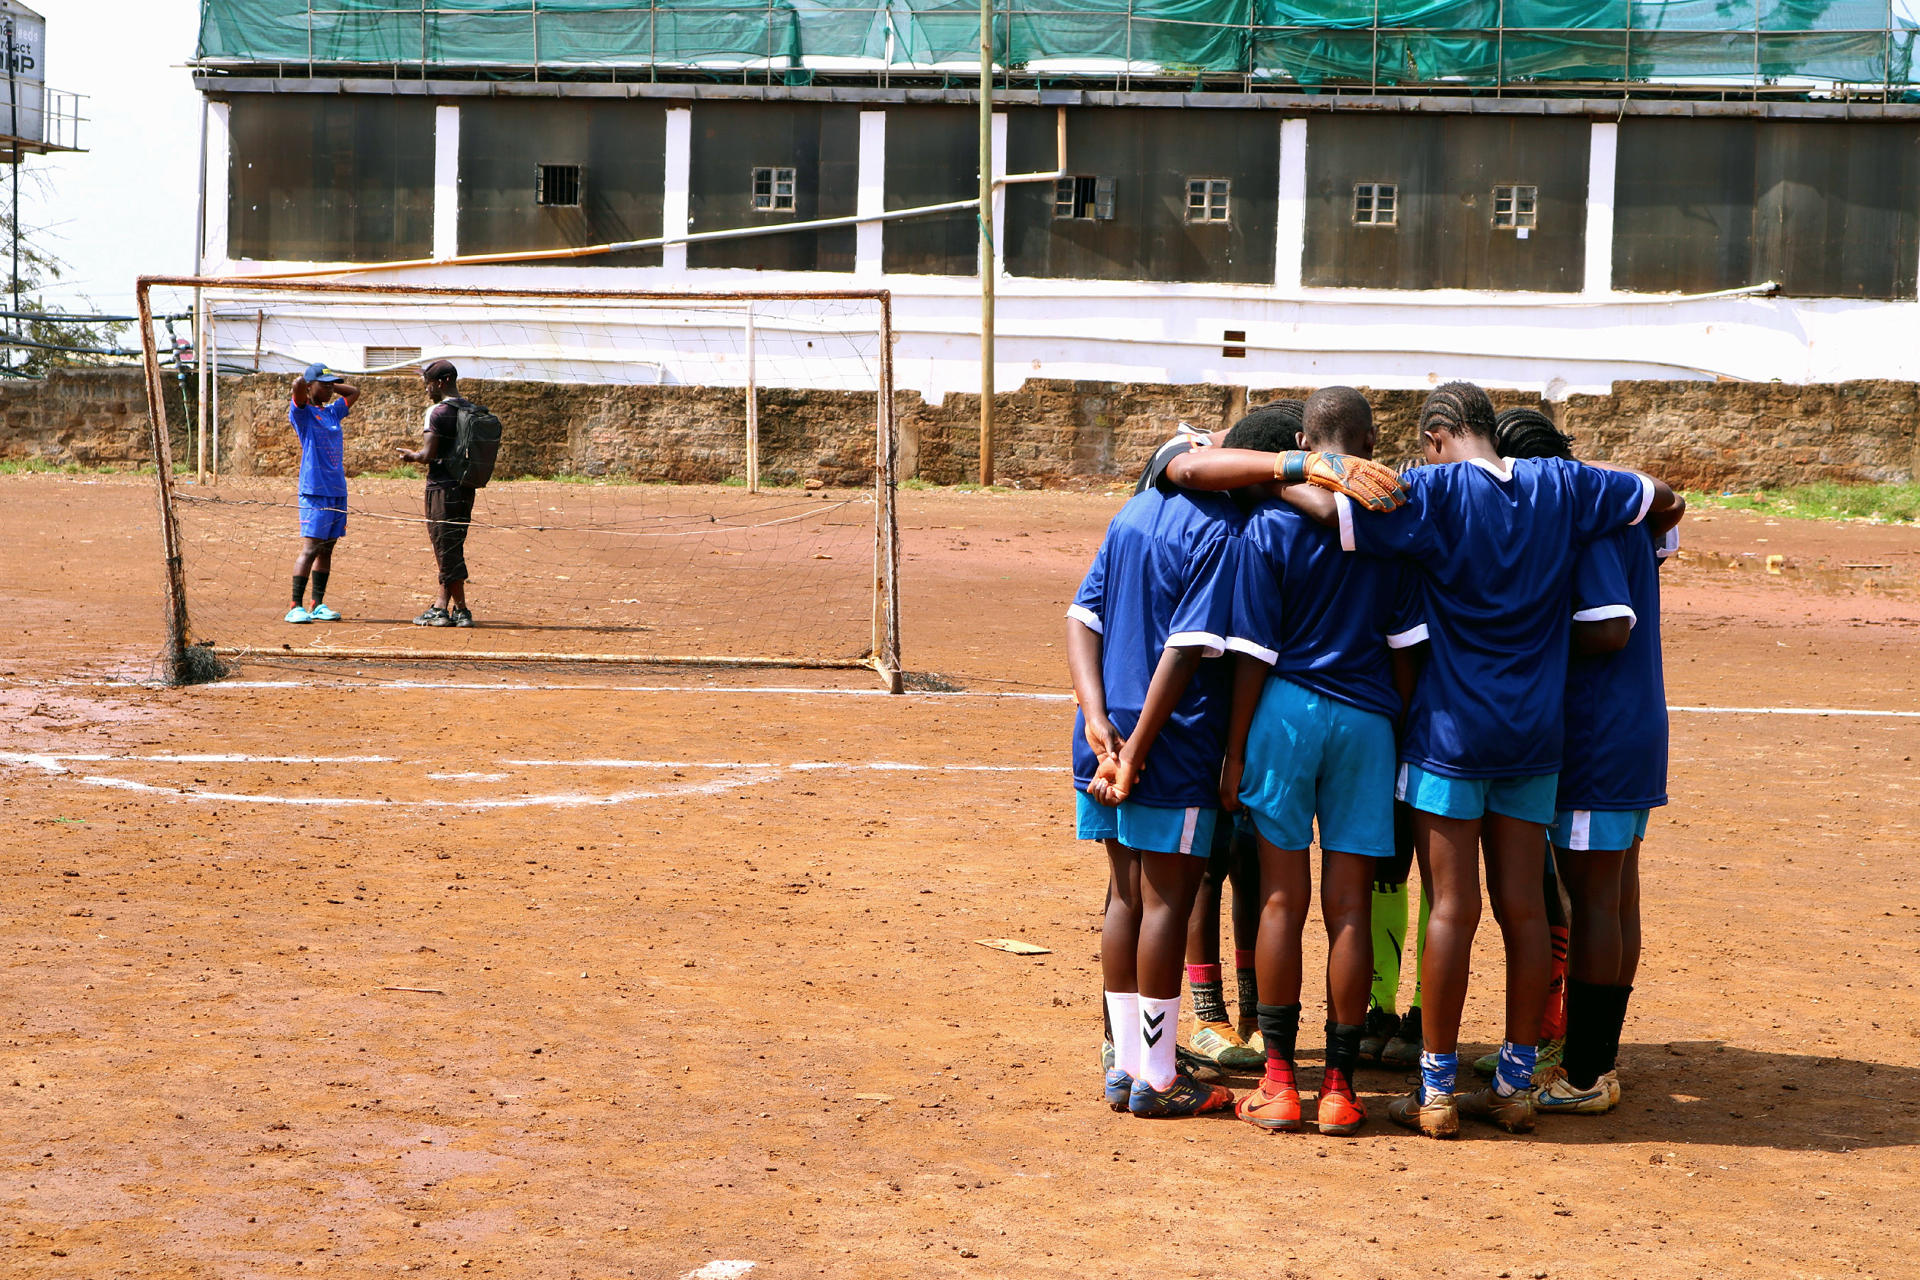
1528	799
1311	756
322	516
1598	829
1146	827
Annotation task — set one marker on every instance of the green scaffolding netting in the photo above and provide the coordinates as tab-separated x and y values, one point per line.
1344	42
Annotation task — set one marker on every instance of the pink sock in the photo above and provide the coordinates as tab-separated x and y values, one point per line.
1242	959
1199	973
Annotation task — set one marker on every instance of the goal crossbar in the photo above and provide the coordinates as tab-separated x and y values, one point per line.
883	655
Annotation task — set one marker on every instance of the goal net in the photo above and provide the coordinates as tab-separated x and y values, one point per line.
689	479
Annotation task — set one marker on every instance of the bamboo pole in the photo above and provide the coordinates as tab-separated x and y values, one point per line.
176	579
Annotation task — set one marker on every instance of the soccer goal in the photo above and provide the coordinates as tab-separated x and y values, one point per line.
695	479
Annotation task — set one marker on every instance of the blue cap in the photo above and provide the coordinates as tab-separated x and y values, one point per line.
318	372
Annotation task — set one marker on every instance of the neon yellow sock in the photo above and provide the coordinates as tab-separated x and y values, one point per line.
1389	936
1420	949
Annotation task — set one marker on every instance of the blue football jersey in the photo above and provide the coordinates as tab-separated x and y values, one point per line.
1616	717
323	467
1496	551
1164	578
1319	617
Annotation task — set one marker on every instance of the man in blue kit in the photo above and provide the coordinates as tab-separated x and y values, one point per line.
321	401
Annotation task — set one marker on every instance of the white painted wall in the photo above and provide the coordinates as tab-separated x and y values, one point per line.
1144	332
871	197
446	181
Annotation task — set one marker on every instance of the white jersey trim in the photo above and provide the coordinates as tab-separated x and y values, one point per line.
1646	497
1343	508
1408	638
1212	646
1502	472
1600	613
1087	618
1236	644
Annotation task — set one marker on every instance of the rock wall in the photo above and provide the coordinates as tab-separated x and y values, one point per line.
1701	435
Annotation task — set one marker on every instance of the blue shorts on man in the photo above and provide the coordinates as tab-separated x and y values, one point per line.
1146	828
1528	799
1319	757
1598	830
323	516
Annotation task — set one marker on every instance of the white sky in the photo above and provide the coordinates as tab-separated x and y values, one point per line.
126	206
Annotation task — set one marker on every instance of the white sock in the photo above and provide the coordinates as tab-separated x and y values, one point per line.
1159	1022
1123	1015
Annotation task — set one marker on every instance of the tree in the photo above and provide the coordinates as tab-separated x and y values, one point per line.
40	338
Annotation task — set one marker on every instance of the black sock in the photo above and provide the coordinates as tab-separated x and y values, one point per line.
319	585
1588	1013
1279	1027
299	589
1246	988
1343	1049
1209	999
1616	1021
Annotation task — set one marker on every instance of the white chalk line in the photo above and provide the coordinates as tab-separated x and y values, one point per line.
52	765
413	686
741	774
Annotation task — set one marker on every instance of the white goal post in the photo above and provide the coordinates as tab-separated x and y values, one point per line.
686	478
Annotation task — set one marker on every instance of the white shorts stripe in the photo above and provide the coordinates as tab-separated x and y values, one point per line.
1187	825
1582	829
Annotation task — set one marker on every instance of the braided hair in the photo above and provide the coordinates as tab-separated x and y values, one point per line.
1459	409
1529	433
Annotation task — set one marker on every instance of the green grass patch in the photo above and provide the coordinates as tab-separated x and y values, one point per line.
1826	500
404	471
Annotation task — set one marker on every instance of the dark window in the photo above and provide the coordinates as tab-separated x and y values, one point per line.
819	143
1824	208
1376	204
1207	199
773	188
557	186
1515	208
330	178
1432	223
1084	198
1138	227
932	158
503	141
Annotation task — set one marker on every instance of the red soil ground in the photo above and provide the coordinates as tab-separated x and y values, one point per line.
720	1007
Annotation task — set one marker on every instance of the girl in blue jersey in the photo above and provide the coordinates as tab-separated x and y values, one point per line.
1612	774
1155	604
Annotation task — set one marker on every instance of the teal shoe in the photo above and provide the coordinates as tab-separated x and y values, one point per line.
297	614
323	613
1119	1088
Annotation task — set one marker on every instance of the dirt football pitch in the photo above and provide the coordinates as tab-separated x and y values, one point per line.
341	970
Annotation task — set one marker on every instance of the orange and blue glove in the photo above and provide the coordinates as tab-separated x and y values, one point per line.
1368	483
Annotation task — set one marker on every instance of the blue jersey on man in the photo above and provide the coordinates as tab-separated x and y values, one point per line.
1163	578
1496	549
323	470
1319	617
1616	716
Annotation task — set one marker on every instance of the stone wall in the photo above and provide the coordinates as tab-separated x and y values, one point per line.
1712	435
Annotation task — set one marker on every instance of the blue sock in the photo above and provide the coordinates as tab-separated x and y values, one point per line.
1437	1073
1515	1071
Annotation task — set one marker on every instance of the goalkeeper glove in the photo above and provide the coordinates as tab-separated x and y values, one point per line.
1373	486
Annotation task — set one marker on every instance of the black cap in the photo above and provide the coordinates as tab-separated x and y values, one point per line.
440	370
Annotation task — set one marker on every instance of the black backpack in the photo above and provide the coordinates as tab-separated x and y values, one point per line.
476	445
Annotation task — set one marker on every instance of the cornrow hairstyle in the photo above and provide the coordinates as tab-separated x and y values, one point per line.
1529	433
1460	409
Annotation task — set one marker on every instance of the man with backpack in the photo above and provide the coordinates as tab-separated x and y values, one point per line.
462	441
